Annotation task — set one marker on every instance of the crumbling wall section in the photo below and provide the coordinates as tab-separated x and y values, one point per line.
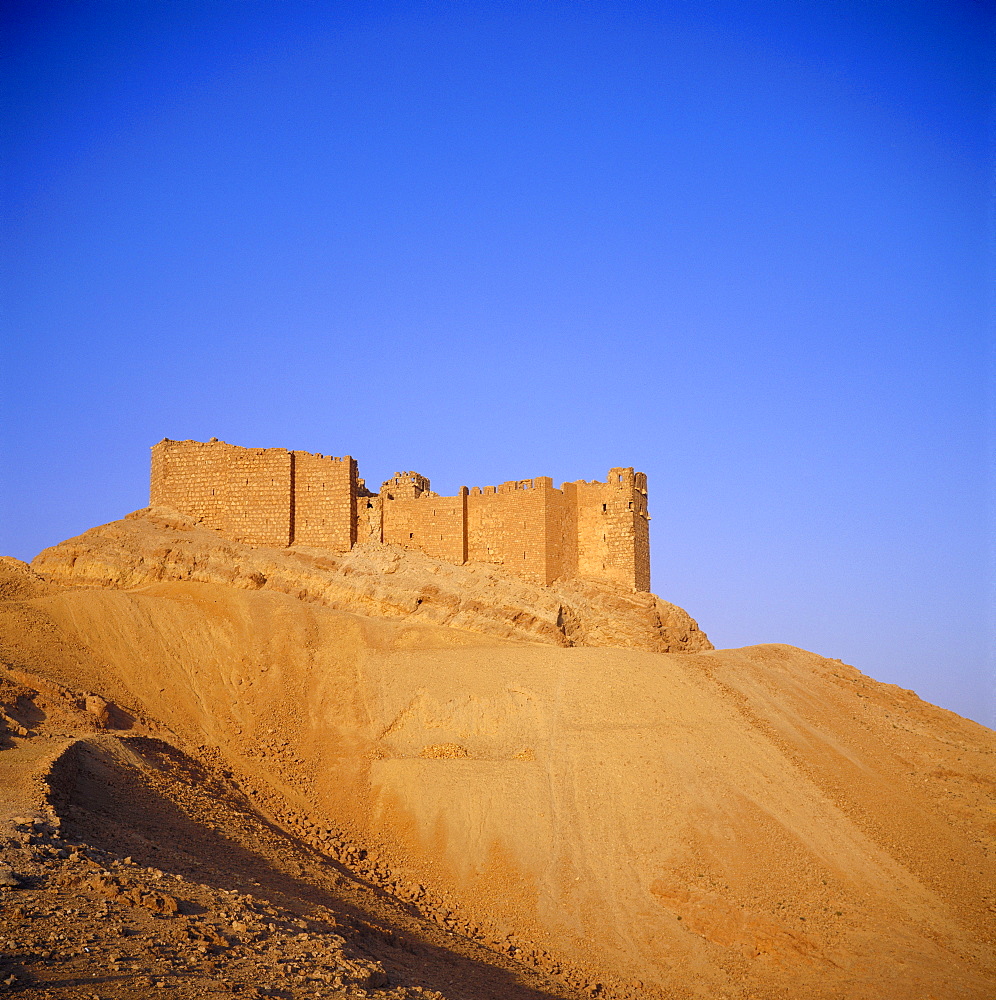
432	524
369	518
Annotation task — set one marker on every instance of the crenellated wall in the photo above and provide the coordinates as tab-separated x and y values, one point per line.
507	525
598	531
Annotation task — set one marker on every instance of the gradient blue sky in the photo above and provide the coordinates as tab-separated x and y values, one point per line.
744	247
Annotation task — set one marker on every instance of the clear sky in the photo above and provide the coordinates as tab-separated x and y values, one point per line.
744	247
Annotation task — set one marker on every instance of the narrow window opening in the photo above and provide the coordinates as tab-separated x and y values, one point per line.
411	534
604	508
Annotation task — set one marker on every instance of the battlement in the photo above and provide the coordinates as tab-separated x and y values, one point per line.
405	485
275	497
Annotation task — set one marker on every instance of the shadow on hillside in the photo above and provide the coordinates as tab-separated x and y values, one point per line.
108	803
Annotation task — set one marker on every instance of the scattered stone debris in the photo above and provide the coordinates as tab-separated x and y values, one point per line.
82	916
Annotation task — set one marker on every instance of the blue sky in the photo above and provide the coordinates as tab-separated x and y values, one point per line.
745	248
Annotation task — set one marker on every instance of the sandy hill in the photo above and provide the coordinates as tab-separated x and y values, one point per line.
320	802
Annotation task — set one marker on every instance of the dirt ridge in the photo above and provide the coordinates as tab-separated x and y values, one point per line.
158	544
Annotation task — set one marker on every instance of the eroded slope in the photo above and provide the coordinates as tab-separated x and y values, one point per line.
757	822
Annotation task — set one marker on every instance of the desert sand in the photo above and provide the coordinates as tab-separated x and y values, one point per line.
255	772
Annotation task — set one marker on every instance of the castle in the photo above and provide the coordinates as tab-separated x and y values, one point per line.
275	497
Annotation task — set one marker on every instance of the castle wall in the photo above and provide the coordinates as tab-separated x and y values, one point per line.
272	497
561	535
191	477
613	536
432	524
259	497
557	540
641	533
508	526
243	493
324	501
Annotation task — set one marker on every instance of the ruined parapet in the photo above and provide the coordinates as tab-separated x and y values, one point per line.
405	486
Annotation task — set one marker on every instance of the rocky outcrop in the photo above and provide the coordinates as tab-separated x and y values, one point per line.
19	582
158	544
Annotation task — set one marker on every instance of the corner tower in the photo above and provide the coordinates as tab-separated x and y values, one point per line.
613	528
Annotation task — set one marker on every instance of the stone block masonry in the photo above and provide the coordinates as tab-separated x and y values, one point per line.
277	498
242	493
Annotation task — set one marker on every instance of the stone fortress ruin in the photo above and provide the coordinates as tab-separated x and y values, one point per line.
277	498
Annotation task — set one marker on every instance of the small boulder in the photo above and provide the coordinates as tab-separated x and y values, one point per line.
161	903
8	878
98	708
